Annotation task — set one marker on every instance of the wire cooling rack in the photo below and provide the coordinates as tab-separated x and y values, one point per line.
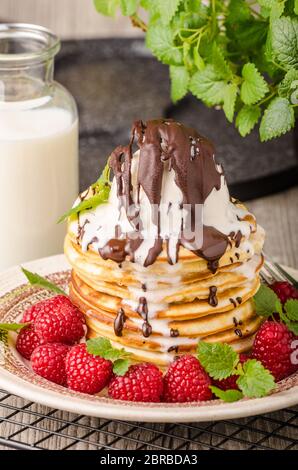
28	426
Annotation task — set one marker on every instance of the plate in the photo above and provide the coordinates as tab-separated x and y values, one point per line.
16	376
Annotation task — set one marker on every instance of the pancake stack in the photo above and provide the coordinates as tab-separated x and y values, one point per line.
138	279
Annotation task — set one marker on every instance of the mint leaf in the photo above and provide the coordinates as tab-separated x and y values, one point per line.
289	84
128	7
179	82
106	7
291	308
13	326
99	346
121	366
198	60
167	9
296	7
238	11
278	119
160	40
230	95
266	301
284	39
218	359
221	67
277	10
207	86
256	381
39	281
293	327
247	118
253	87
226	395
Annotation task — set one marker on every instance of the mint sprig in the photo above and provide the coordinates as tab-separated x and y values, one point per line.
101	189
39	281
13	326
103	347
221	361
237	55
267	304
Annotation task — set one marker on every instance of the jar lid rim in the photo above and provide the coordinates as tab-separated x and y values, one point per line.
48	42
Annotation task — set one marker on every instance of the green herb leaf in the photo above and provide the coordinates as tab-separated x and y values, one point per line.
291	308
179	82
121	366
293	327
39	281
296	7
218	359
238	11
230	95
99	346
284	39
160	40
167	9
247	118
128	7
266	301
221	67
253	87
256	381
106	7
289	84
226	395
198	60
277	120
13	326
207	86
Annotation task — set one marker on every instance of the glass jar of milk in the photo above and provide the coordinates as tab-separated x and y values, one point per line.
38	146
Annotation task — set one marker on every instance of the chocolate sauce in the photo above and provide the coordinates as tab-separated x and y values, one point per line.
238	332
174	333
119	322
237	255
143	312
212	299
239	300
144	287
233	302
173	348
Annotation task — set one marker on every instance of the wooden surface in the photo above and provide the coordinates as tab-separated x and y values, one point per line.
278	215
67	18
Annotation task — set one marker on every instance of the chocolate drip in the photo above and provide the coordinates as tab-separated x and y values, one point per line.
212	299
238	332
144	287
233	302
143	312
173	348
239	300
119	322
174	333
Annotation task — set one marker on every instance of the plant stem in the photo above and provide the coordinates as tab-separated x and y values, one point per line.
138	22
266	98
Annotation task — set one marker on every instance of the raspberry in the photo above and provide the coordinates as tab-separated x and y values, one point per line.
186	380
59	321
284	290
230	382
85	372
48	360
27	341
31	313
142	383
272	346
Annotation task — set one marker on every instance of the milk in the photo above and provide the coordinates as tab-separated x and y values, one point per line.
38	180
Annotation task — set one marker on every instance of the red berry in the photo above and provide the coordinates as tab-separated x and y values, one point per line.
48	360
85	372
31	313
59	321
284	290
27	341
230	382
142	383
272	346
186	380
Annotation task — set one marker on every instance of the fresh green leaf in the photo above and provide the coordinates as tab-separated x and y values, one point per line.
160	40
179	82
256	381
167	9
99	346
218	359
293	327
284	38
13	326
198	60
296	7
106	7
230	95
207	86
128	7
120	366
278	119
265	301
247	118
228	396
289	84
238	11
222	69
266	3
277	10
291	308
39	281
253	87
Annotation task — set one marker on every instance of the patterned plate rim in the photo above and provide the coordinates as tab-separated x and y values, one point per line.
17	378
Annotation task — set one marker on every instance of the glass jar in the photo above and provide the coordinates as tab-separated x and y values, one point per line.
38	145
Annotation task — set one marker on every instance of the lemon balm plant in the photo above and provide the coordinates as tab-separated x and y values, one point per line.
236	54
